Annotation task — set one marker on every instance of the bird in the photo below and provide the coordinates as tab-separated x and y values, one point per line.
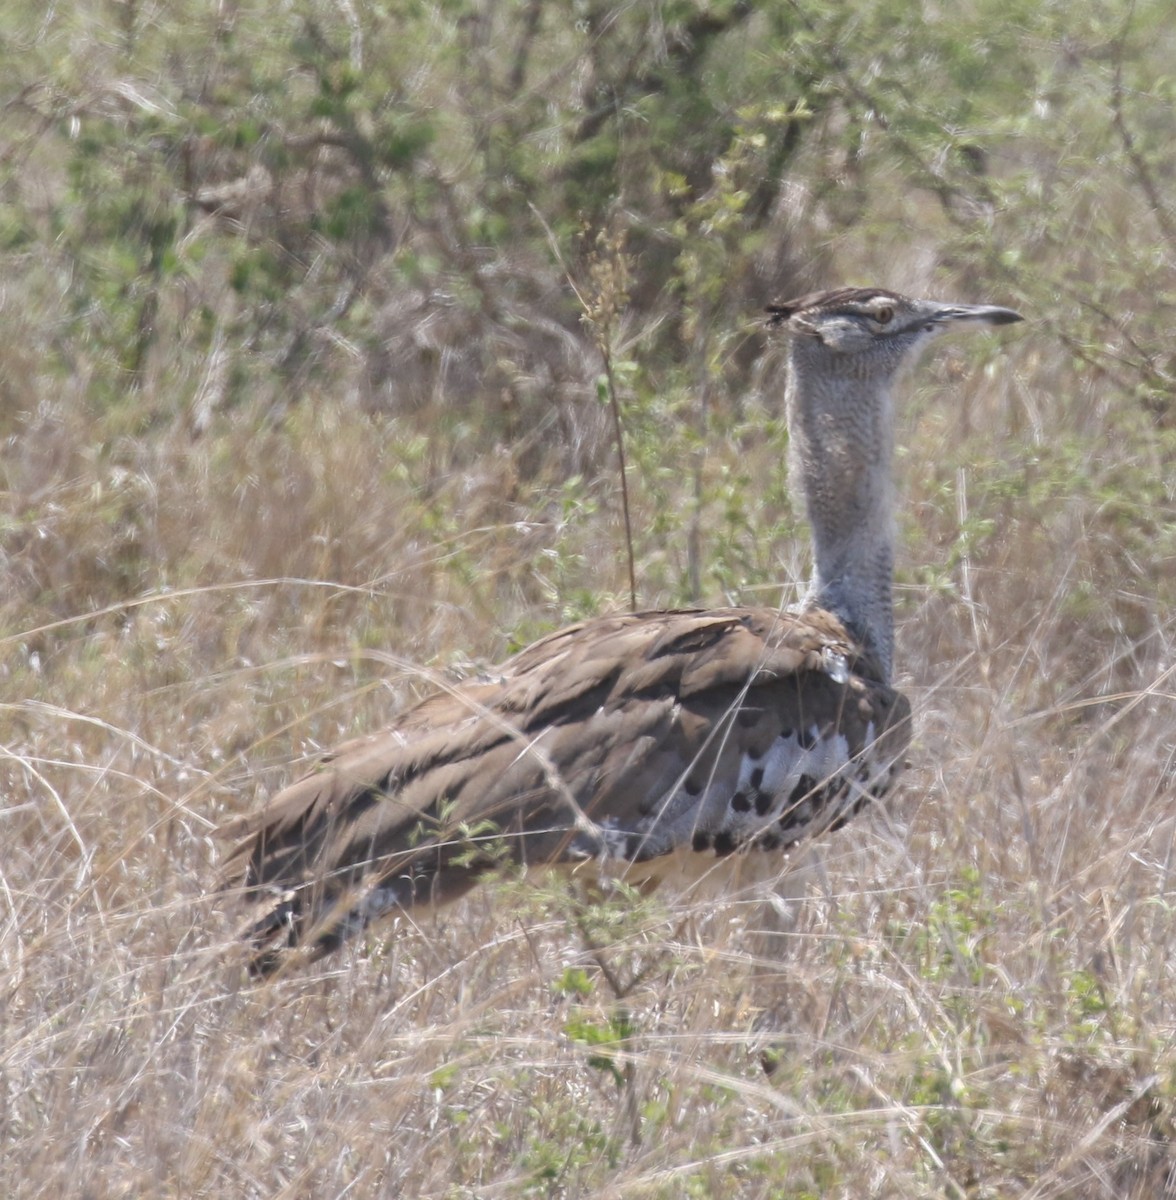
639	745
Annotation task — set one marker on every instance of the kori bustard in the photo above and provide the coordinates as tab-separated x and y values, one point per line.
644	743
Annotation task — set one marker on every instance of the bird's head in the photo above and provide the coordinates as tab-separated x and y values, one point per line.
866	330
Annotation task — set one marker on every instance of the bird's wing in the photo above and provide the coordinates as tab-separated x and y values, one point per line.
624	738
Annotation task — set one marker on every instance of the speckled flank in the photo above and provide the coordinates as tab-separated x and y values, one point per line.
805	782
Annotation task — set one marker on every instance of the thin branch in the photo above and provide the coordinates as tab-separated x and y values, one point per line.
618	433
1142	171
600	313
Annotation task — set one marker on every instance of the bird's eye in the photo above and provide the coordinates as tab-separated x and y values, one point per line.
884	316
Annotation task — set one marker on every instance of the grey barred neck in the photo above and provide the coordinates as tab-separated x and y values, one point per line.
841	432
847	349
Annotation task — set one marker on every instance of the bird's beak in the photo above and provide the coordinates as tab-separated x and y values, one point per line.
986	314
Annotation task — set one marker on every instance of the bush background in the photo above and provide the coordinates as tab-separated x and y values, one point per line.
304	311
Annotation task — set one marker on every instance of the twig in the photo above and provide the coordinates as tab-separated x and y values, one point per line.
601	303
1142	171
618	434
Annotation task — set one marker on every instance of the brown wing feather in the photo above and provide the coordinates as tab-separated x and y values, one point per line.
624	738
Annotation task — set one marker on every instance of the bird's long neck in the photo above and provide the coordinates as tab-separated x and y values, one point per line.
842	441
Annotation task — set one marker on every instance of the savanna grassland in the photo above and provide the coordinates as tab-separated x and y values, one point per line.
310	314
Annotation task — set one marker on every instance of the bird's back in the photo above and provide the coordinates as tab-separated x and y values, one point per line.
630	743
